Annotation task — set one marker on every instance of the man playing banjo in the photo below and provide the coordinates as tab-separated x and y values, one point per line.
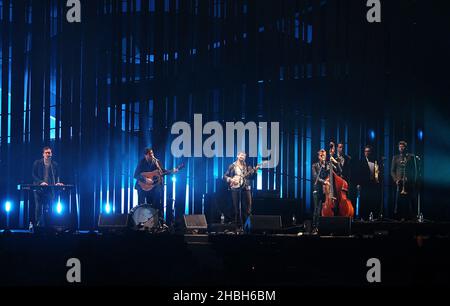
238	177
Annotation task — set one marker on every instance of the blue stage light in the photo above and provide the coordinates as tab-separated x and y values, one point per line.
420	134
174	179
107	208
8	206
372	134
59	208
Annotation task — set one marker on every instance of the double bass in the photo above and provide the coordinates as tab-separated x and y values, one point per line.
336	202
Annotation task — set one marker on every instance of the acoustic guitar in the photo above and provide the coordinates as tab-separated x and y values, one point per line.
156	178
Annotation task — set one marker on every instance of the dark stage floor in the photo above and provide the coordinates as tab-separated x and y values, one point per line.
409	254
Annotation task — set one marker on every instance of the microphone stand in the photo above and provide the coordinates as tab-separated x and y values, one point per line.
418	185
241	228
381	215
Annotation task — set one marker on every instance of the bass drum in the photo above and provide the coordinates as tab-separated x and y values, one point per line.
144	217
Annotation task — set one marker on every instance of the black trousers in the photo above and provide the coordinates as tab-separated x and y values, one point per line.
404	204
152	197
370	201
246	205
43	206
318	198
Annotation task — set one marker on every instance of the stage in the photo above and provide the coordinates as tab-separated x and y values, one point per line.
408	253
181	116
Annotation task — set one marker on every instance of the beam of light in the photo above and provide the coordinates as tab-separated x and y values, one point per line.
108	208
8	206
420	134
174	184
186	200
59	208
165	198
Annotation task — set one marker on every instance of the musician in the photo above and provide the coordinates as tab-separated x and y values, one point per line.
320	172
242	194
368	180
148	164
403	173
345	162
333	158
45	172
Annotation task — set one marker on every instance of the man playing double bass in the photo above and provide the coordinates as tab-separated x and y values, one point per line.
336	202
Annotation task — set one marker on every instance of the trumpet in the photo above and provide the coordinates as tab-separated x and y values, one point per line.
377	172
403	180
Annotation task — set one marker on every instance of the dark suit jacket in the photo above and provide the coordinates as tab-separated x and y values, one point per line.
396	168
38	172
230	173
346	168
319	175
363	173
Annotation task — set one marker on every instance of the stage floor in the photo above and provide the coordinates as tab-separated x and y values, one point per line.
409	254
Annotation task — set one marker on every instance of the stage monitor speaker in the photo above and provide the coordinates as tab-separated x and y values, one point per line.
195	222
113	221
337	226
263	224
65	222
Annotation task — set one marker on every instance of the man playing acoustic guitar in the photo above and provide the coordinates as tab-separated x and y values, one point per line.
149	188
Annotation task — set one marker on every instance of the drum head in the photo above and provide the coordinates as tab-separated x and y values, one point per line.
145	216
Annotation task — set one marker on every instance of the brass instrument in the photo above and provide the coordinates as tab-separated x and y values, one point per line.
377	172
403	180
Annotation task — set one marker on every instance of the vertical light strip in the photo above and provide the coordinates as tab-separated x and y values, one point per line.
192	208
1	80
9	92
259	159
277	153
107	196
122	196
174	185
281	166
322	133
101	194
186	200
296	163
302	165
165	197
21	210
308	164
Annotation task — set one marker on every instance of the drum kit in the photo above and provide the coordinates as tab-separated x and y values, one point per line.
146	218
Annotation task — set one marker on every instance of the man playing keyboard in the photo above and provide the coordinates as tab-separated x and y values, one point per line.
45	172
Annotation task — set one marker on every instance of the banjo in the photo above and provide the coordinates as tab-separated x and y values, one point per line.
238	181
